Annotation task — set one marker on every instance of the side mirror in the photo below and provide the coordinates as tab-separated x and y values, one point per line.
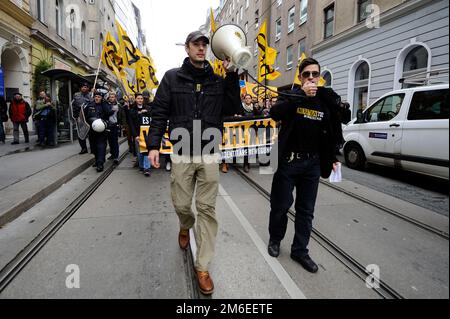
360	117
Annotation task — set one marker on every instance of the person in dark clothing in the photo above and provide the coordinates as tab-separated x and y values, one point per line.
139	117
3	118
45	117
19	113
98	109
81	99
310	131
114	127
193	96
346	113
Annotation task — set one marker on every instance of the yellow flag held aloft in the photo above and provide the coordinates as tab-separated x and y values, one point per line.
267	57
111	56
145	73
298	81
128	49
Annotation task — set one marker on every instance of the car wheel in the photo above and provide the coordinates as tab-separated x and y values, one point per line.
354	157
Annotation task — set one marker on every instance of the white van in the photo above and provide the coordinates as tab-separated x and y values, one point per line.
407	129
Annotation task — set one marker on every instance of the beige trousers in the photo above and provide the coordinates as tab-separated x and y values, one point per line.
200	177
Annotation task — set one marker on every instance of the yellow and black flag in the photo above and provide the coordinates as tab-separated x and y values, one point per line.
267	57
129	51
217	64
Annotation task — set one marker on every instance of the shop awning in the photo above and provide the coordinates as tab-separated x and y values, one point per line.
57	74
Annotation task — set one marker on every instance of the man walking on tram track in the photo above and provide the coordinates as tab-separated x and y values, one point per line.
188	96
310	131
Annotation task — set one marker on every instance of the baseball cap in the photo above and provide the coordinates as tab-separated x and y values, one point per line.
196	35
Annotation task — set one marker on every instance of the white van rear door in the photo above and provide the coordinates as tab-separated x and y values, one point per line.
425	144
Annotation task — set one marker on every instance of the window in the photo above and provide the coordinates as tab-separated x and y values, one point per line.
279	3
246	28
328	79
301	47
277	61
256	19
329	21
361	87
291	20
303	11
83	37
241	12
59	17
92	49
415	67
41	10
247	4
100	48
256	47
73	34
429	105
385	109
237	18
289	57
362	9
278	30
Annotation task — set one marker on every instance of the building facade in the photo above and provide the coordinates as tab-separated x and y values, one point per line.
288	30
15	50
367	56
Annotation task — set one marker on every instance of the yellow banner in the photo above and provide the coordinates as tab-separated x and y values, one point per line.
240	138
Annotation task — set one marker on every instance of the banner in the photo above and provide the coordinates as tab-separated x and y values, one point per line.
240	138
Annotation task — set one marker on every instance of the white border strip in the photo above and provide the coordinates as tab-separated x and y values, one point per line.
286	280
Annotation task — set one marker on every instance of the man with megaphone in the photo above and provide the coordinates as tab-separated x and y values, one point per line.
194	100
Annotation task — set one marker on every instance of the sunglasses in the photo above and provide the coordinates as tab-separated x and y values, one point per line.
308	74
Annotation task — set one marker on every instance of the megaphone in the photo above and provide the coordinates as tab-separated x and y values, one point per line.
230	41
99	126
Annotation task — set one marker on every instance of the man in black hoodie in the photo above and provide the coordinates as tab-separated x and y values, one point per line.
192	97
310	131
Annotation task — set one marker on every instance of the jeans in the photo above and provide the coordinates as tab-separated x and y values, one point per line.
144	162
2	132
113	141
304	175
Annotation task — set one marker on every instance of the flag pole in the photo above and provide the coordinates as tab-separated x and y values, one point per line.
98	69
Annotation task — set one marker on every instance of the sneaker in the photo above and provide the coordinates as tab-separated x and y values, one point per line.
100	168
15	143
83	151
116	162
147	173
168	166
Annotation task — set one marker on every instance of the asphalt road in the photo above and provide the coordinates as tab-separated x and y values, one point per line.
427	192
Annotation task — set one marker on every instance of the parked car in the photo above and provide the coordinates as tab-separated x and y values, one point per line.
407	129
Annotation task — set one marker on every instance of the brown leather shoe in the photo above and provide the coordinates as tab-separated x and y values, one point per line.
205	282
184	239
224	168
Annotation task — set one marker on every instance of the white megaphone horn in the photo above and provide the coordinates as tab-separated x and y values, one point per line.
230	42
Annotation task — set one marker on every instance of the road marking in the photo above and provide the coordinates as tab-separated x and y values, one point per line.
286	280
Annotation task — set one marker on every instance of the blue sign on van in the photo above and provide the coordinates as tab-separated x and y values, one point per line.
2	82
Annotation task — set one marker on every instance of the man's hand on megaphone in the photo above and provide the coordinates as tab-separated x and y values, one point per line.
228	66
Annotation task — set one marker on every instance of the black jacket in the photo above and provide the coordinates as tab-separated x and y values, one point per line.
94	112
176	101
136	120
331	136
